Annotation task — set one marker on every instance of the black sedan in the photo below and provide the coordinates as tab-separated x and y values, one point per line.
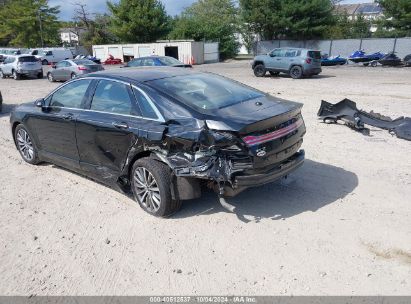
159	132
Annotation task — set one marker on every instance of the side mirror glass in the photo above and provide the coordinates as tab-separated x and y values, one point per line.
40	103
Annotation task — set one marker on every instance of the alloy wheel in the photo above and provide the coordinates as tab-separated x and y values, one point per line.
73	76
25	144
147	190
50	77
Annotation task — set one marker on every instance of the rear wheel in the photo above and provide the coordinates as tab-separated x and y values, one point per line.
50	77
16	76
274	73
73	75
259	70
296	72
25	145
151	186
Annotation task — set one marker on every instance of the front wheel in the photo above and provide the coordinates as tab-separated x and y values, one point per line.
259	70
2	75
151	186
25	145
16	76
296	72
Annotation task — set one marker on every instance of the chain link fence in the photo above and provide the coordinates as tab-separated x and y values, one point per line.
343	47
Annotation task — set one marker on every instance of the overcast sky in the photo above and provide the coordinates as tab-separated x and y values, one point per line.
173	7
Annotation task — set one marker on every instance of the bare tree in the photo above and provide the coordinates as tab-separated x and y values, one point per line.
82	15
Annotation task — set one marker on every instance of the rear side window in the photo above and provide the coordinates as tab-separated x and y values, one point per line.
147	110
290	53
134	63
314	54
71	95
27	59
112	97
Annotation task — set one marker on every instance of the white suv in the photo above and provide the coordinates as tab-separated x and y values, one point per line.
21	65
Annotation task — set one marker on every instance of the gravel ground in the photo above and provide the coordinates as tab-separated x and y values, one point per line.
340	225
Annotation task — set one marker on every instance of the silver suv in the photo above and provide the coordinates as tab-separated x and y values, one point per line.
21	65
295	62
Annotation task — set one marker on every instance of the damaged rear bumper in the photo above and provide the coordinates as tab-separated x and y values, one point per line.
292	163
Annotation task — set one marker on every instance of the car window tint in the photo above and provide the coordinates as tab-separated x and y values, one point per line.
134	63
148	62
278	53
314	54
147	110
61	64
112	97
290	53
28	59
71	95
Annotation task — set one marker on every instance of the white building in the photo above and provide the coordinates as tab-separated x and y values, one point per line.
190	52
69	36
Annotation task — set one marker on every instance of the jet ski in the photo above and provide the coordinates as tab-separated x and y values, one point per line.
407	60
361	57
333	60
390	60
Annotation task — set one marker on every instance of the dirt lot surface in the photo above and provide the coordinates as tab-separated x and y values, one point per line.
340	225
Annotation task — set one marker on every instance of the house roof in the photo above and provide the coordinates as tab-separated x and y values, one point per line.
356	9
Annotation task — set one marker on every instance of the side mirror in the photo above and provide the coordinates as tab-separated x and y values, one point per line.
53	66
271	54
40	103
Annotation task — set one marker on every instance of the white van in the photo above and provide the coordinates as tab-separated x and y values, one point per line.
53	55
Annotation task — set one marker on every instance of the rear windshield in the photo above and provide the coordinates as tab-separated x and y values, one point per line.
314	54
205	91
27	59
83	62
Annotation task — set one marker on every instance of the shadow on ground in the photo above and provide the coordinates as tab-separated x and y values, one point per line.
310	188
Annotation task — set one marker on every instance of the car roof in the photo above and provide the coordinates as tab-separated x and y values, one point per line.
152	57
142	74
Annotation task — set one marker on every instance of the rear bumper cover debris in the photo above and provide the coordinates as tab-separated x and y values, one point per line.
347	111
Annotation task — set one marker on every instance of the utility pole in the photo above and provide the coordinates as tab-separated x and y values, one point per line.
41	28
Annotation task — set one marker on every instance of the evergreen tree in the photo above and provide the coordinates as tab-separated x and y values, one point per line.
293	19
25	23
214	20
398	16
139	20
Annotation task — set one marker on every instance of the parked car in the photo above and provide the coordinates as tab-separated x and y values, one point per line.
295	62
69	69
53	55
160	131
157	61
21	65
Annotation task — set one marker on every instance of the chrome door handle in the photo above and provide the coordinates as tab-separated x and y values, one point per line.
120	125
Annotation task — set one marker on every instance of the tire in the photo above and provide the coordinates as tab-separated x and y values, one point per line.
296	72
73	75
274	73
25	145
2	76
158	200
16	76
259	70
374	64
44	62
50	77
366	64
40	75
